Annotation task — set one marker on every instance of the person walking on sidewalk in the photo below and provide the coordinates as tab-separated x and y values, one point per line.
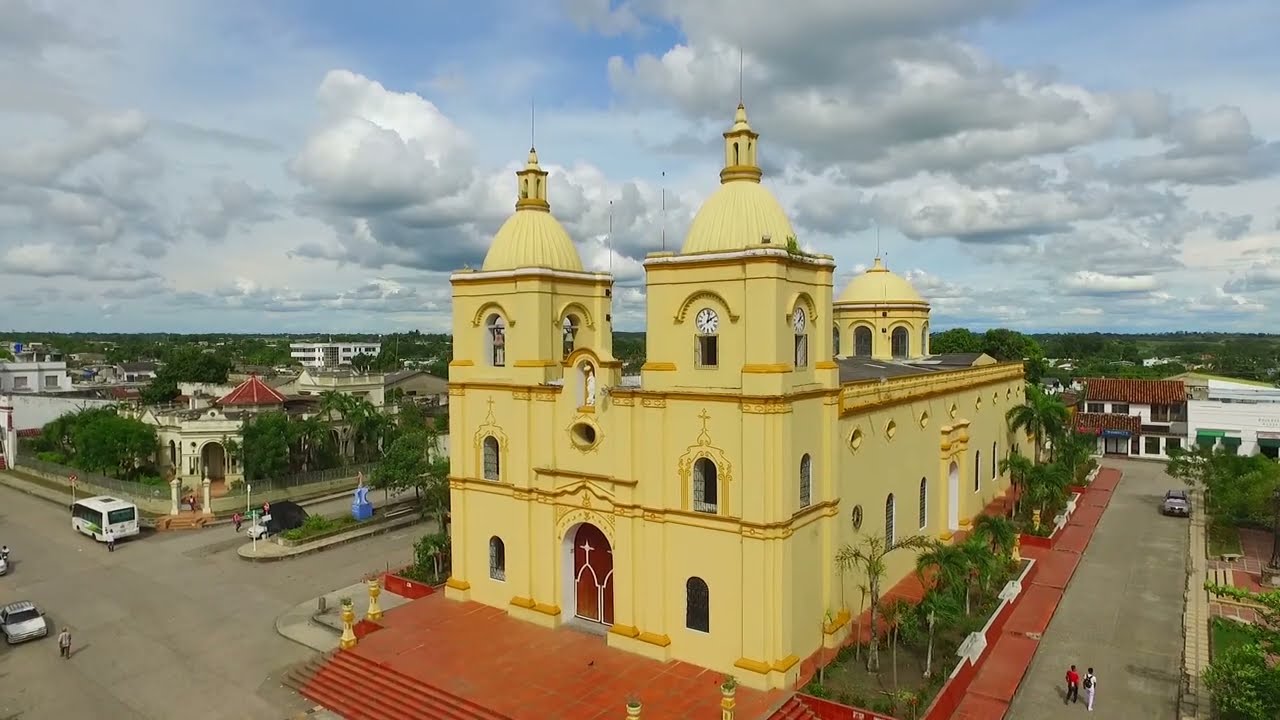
1090	682
237	519
64	643
1073	686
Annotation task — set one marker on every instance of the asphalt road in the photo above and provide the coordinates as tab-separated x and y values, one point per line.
171	625
1121	613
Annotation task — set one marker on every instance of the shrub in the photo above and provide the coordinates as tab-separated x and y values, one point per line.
316	525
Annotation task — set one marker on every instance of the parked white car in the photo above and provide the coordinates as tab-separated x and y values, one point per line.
22	621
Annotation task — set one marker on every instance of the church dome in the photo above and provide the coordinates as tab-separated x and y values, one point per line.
532	237
736	216
879	285
742	213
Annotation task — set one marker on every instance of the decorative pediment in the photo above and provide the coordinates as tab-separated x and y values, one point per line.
704	448
490	427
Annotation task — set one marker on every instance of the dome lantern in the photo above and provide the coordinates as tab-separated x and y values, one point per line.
532	237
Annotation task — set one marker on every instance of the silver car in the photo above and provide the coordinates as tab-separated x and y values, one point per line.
1176	502
22	621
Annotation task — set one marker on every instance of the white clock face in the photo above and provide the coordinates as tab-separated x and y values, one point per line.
797	320
707	321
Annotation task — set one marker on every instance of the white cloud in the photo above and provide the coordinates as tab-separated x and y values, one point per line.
1086	282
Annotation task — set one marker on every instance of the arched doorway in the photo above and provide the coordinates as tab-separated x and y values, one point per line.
173	454
953	497
213	462
589	570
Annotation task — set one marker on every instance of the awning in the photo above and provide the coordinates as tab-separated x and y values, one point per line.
1269	443
1210	434
1205	442
1115	433
1231	441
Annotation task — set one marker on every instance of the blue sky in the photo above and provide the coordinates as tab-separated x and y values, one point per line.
322	166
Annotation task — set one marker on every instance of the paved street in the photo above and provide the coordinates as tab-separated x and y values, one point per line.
169	626
1122	612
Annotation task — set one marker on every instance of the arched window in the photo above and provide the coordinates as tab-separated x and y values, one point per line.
736	159
705	486
496	340
862	341
977	470
924	340
835	340
995	462
173	454
568	335
899	342
697	605
800	326
497	559
524	188
806	480
924	503
492	460
888	521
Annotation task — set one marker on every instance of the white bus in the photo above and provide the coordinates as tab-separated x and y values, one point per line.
98	516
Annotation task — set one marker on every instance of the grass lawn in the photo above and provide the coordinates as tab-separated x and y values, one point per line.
1224	540
1227	635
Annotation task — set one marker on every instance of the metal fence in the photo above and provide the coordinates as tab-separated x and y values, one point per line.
317	476
122	487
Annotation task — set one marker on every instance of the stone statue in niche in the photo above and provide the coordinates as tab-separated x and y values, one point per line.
588	384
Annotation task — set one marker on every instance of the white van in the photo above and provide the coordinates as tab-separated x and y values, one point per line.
102	515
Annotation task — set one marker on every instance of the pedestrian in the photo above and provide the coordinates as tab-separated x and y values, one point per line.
236	519
111	541
1073	686
1090	682
64	643
266	509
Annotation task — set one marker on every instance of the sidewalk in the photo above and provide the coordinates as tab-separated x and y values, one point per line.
304	624
1193	702
997	681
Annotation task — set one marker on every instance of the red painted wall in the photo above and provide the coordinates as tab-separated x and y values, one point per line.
828	710
404	587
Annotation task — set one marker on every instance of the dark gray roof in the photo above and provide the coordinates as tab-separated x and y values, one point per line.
853	369
138	366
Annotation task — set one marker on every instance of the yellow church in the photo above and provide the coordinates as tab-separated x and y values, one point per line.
693	511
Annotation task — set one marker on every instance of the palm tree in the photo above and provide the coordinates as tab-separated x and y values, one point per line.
981	566
1018	466
938	607
943	565
998	532
871	558
1042	416
1046	487
1073	449
894	610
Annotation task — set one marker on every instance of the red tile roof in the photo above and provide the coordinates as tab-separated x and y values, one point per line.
1139	392
1097	422
252	392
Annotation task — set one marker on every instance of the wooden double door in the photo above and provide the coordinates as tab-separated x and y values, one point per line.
593	574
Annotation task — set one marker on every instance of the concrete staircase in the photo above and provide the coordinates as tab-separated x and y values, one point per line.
794	709
183	521
360	689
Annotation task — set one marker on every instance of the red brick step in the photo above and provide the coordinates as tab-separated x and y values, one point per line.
361	689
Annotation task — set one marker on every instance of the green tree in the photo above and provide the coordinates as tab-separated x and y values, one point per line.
413	461
1238	488
1042	415
1018	466
361	363
956	340
5	354
870	557
1243	681
944	568
264	445
998	532
894	611
114	445
937	608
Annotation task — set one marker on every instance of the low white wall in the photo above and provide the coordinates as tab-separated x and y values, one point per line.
32	412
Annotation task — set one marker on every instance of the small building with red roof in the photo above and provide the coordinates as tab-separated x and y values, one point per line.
252	393
1134	418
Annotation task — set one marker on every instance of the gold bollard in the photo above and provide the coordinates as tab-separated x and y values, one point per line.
728	689
1017	548
633	709
1035	518
375	610
348	640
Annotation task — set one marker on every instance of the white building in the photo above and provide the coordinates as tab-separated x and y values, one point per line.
1135	418
315	355
34	372
1234	415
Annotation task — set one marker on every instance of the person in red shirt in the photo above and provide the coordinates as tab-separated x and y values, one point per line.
1073	686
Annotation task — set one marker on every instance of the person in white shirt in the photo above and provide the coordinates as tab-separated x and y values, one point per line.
1090	683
